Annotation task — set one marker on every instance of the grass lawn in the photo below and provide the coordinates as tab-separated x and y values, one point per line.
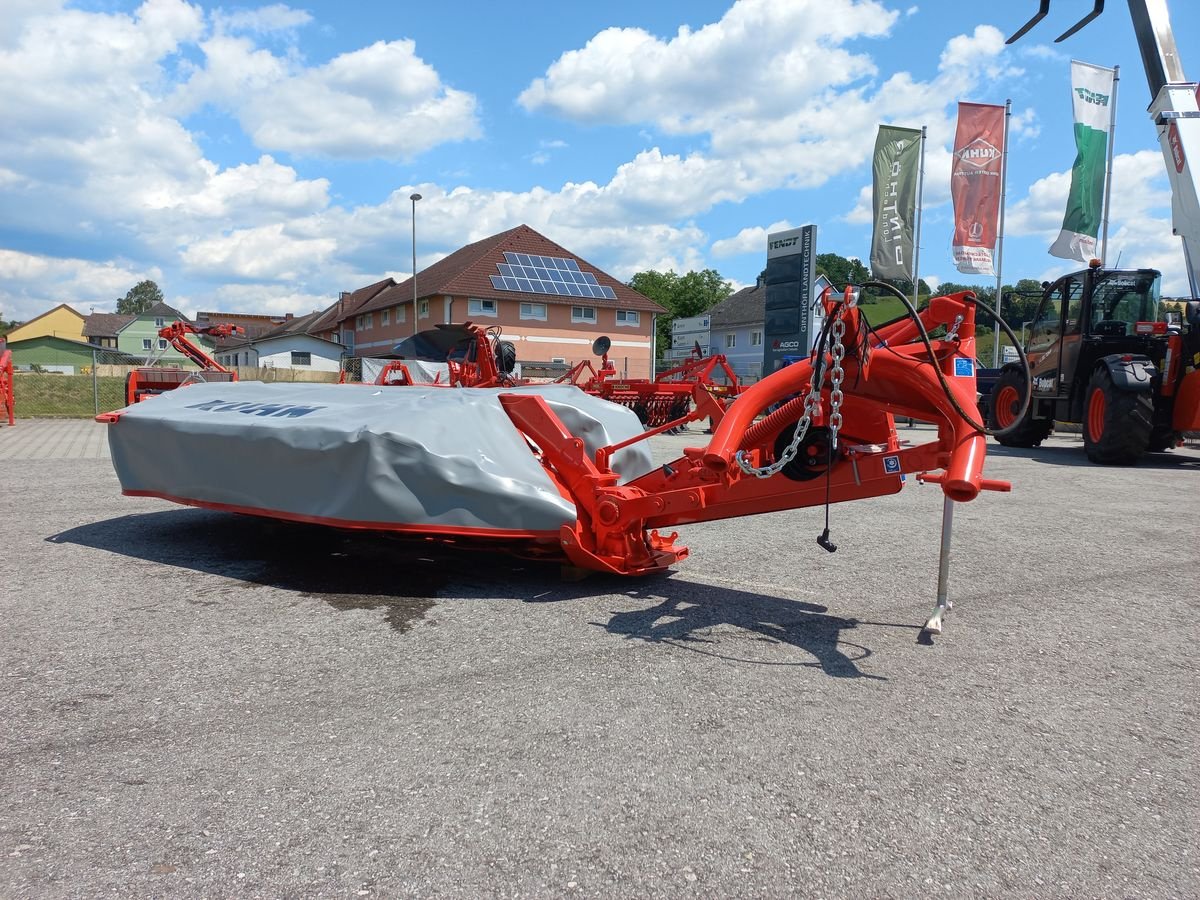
65	396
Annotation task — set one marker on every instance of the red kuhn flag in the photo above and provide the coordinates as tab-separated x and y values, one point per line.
975	183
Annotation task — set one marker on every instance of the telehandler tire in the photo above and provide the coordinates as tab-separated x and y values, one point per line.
1163	438
1116	424
1003	409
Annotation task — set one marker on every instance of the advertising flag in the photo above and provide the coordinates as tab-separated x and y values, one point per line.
976	183
1092	97
895	169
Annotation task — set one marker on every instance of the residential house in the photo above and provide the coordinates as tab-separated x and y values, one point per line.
62	321
59	354
336	323
551	303
136	335
287	346
737	327
101	329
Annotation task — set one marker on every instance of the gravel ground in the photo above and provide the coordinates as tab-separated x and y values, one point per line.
198	704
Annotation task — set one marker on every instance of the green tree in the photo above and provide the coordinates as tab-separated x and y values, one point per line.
140	298
841	270
683	295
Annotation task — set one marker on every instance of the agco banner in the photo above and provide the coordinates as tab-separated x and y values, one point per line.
895	169
976	182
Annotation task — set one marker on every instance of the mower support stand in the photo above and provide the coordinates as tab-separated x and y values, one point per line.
933	625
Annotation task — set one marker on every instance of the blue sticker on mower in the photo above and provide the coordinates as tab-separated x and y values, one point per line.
964	367
891	465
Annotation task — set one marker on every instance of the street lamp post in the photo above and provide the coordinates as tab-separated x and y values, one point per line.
414	198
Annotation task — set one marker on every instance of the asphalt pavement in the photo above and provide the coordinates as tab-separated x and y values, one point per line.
197	704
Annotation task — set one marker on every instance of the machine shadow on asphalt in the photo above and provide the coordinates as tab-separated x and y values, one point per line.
406	578
692	617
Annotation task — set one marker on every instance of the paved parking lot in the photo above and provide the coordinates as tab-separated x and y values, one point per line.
200	704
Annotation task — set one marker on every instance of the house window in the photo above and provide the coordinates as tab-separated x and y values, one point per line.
423	309
358	322
145	343
533	311
385	317
301	358
160	322
481	307
583	314
162	344
401	314
628	317
730	341
756	339
370	320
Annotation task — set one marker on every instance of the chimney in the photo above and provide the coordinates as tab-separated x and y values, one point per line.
761	280
342	300
287	317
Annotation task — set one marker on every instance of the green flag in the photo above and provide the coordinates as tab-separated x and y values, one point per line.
894	201
1092	89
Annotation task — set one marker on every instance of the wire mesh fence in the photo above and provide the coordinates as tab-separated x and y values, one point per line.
80	388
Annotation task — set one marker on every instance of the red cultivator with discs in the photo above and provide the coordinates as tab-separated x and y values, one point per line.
665	399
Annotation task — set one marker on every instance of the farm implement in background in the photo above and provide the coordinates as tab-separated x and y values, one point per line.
6	386
664	401
466	355
149	381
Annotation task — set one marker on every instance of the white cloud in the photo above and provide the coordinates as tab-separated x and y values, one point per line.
264	20
264	252
737	72
748	240
30	283
381	101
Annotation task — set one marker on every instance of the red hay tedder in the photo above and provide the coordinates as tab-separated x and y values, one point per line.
6	386
668	397
472	356
147	381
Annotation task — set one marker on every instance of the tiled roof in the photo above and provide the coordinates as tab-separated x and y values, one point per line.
347	306
161	309
104	324
746	307
465	272
298	325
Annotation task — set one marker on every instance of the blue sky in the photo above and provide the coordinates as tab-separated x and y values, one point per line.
260	158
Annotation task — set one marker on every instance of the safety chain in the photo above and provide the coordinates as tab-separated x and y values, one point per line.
835	379
812	403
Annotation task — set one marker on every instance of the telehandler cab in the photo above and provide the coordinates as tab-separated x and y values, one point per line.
1099	356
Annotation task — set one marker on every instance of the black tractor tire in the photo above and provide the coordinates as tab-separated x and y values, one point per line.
1116	424
1003	406
1162	438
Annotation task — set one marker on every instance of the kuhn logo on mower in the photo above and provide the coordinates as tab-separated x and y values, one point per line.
283	410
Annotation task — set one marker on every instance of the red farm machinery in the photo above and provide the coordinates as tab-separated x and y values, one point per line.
6	386
818	432
147	381
665	399
466	355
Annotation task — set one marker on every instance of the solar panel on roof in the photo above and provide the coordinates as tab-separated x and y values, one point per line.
557	275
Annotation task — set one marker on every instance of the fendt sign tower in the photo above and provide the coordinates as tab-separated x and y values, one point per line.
789	318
